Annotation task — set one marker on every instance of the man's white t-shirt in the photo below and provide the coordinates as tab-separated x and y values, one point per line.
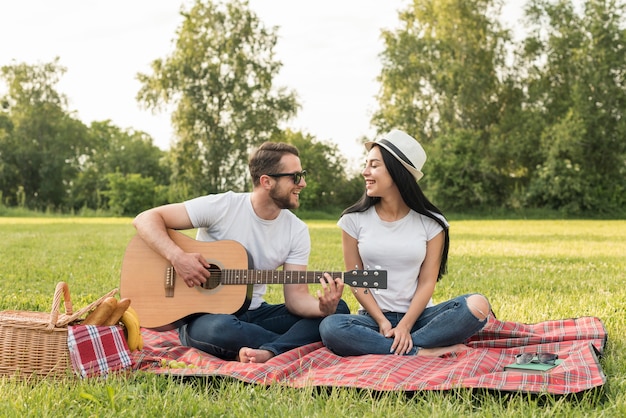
398	247
230	216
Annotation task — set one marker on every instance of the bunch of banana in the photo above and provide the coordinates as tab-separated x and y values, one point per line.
111	312
130	319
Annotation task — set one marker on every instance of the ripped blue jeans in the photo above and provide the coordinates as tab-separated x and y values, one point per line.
442	325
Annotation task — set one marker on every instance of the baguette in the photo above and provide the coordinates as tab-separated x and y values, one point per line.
117	313
102	312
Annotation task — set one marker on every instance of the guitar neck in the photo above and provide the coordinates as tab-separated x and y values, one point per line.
235	276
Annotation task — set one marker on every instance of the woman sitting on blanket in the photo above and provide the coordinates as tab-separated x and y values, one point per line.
394	227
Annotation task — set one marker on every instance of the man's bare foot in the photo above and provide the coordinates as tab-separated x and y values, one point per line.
440	351
253	355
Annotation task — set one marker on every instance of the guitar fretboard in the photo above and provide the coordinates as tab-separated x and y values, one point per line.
233	276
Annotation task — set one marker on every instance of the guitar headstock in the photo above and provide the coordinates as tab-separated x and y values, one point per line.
374	279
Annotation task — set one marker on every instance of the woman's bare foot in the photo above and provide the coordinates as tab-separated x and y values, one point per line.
253	355
440	351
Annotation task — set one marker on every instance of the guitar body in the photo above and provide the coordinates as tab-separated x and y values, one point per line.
144	275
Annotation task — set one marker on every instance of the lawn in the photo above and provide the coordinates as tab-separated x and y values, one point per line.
531	271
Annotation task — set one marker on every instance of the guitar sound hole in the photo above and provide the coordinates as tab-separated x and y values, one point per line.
215	279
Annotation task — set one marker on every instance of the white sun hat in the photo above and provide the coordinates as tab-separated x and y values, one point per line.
405	149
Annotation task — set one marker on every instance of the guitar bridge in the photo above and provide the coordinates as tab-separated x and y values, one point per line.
170	275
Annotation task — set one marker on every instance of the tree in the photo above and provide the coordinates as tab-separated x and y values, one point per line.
441	82
545	131
8	171
326	180
132	193
220	79
576	82
440	68
41	152
116	151
52	161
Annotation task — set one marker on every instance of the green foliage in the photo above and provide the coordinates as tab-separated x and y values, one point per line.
458	170
440	83
582	94
220	79
538	124
439	68
326	180
50	161
130	194
125	151
41	148
114	156
530	270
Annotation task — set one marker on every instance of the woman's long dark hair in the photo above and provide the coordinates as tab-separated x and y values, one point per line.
414	198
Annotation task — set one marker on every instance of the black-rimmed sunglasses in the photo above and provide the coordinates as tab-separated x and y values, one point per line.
296	177
543	358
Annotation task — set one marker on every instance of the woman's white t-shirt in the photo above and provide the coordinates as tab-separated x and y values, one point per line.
398	247
230	216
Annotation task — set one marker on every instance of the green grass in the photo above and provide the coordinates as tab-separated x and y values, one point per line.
531	270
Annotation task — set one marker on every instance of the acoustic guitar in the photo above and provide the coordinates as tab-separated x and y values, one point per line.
164	302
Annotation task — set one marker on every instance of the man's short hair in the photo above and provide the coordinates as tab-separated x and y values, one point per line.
266	159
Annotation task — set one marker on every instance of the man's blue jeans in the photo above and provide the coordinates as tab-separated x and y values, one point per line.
269	327
442	325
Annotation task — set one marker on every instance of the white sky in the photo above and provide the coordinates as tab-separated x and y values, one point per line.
329	50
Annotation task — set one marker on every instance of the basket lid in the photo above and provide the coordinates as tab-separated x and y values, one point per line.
53	318
25	318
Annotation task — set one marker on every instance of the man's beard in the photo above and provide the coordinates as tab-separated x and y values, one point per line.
283	201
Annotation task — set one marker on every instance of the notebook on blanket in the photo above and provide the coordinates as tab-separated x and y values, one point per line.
577	341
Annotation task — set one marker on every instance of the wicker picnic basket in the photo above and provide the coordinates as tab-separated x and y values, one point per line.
34	344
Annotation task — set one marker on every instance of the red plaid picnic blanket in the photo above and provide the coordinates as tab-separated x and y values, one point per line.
97	350
578	342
